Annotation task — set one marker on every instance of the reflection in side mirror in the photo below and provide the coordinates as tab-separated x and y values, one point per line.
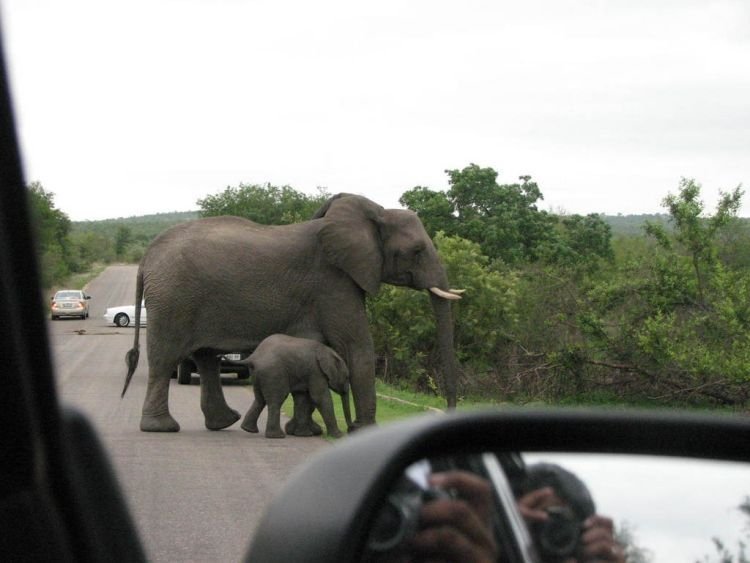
545	506
666	509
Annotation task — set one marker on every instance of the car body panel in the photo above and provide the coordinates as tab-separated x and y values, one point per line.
227	364
112	313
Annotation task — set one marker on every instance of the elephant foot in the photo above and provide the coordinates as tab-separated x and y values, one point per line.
159	423
335	433
250	426
356	425
225	420
296	428
275	433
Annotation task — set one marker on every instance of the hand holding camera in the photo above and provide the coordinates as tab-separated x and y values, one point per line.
445	515
560	533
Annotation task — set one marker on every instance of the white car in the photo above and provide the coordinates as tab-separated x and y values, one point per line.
124	315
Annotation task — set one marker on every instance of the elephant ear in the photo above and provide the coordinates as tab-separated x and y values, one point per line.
333	367
351	238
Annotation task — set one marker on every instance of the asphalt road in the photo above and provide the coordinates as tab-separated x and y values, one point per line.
195	495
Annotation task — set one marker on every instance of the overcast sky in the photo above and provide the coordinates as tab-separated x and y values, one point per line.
140	107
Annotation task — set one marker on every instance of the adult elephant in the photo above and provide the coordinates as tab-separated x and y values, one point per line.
224	284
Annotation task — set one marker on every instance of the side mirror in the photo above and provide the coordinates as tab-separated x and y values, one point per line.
642	470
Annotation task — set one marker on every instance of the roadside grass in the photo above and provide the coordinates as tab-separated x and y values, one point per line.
392	404
79	280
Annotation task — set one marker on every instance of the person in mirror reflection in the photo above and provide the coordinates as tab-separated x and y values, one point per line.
457	529
551	492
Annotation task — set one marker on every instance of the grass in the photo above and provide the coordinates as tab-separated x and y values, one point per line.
395	404
392	404
79	280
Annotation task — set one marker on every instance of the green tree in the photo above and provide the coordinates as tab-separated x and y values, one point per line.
625	536
502	218
265	204
676	316
435	210
724	553
580	242
402	322
89	247
695	233
123	237
52	227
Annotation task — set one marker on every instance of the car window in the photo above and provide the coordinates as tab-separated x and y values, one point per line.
68	295
578	169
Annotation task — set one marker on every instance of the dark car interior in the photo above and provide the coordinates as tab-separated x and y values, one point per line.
59	499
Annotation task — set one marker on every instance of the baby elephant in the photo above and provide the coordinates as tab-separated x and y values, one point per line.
284	364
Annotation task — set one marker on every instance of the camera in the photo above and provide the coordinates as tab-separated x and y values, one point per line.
558	537
398	518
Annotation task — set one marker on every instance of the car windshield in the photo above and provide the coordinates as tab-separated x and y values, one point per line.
472	204
67	295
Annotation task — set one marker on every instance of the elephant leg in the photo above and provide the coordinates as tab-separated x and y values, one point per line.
217	413
361	362
353	342
273	424
322	399
250	422
302	423
155	416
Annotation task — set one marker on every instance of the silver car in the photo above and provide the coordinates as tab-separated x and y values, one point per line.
70	303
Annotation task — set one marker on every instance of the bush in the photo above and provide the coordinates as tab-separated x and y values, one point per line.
403	325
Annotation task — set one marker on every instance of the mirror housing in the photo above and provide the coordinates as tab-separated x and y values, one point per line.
325	511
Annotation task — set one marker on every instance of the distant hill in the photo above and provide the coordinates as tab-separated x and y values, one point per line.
629	225
143	226
148	226
151	225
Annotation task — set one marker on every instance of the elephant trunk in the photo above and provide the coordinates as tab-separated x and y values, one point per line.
347	411
448	364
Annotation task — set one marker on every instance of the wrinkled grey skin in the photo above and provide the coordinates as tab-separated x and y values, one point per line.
284	364
223	284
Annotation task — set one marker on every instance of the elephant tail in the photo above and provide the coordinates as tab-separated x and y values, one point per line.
131	358
347	411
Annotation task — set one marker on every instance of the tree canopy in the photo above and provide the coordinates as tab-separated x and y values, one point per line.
265	204
505	221
52	228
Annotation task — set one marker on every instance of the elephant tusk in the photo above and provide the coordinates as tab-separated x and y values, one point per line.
444	294
457	291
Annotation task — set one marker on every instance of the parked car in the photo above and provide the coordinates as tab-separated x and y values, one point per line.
187	368
70	303
123	315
